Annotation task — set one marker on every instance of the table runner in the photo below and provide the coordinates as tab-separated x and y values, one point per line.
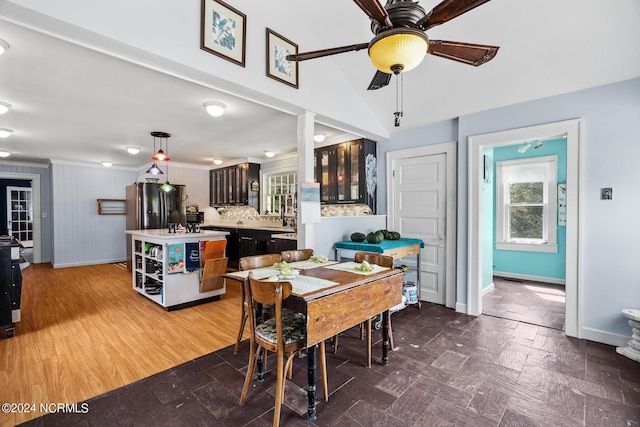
300	285
351	267
258	273
308	264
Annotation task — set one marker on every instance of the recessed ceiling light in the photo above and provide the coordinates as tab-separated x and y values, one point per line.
269	153
216	109
4	107
318	138
133	150
4	154
217	161
4	133
3	46
107	164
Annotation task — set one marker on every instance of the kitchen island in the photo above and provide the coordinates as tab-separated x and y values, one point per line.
167	269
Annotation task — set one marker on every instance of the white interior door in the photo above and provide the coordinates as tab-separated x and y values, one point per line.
419	189
20	214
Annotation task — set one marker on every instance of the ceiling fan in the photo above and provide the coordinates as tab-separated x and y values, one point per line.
400	41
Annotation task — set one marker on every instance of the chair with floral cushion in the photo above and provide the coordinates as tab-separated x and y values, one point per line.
283	334
249	263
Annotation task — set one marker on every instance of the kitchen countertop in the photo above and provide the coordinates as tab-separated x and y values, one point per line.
164	234
285	236
249	224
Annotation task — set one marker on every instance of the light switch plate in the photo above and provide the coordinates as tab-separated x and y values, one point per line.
606	193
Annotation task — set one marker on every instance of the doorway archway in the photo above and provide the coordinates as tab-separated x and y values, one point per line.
571	130
37	228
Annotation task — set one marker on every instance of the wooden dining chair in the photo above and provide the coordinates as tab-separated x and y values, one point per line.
283	334
365	327
296	255
249	263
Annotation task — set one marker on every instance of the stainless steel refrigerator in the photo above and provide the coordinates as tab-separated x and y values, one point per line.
148	207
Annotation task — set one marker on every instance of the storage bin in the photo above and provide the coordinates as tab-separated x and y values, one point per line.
410	291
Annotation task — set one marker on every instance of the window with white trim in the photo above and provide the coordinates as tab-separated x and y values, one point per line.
281	193
526	204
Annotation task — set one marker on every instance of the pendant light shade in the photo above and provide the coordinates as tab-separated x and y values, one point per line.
155	170
167	187
160	156
398	50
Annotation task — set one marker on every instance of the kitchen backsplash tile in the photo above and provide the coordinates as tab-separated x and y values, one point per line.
345	210
250	213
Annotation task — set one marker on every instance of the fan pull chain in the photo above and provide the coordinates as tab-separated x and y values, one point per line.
399	98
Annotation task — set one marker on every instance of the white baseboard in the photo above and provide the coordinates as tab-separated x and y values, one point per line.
80	264
605	337
461	308
529	277
488	289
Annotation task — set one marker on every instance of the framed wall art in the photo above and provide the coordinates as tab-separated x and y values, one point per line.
223	31
278	67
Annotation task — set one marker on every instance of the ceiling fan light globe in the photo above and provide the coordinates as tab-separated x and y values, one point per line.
398	50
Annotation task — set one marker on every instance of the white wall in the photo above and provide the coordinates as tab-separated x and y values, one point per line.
332	229
81	236
195	178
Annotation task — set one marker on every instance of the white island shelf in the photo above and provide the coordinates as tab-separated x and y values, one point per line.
154	278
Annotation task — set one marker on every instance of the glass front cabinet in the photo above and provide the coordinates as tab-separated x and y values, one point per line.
235	185
347	172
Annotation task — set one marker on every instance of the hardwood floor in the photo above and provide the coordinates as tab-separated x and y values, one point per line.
449	369
84	332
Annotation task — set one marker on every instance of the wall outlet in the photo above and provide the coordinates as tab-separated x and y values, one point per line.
606	193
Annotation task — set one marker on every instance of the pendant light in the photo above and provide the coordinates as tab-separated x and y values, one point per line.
167	187
160	155
154	169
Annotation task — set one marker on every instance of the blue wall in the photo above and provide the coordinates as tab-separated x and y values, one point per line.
539	264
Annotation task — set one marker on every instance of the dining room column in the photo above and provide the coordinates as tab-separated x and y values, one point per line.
306	122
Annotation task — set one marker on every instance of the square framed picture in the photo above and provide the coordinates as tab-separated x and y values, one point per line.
223	31
278	68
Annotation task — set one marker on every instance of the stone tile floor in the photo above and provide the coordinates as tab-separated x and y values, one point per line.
530	302
449	369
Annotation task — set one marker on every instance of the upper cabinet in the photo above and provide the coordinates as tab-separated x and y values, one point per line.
235	185
347	172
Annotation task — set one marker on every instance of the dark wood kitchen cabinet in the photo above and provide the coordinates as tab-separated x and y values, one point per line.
246	242
235	185
347	172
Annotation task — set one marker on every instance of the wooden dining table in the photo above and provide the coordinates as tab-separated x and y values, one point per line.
335	297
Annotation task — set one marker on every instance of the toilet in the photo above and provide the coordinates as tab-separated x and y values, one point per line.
632	350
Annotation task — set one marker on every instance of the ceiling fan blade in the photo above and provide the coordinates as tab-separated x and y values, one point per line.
467	53
446	11
380	79
326	52
374	10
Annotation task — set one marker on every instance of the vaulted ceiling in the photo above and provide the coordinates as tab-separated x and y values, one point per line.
86	81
